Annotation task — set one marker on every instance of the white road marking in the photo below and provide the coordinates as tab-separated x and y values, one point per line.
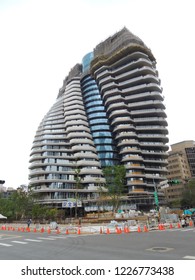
60	237
176	229
183	230
33	240
19	242
7	245
46	238
189	257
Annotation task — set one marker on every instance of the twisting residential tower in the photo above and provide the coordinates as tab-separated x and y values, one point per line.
109	111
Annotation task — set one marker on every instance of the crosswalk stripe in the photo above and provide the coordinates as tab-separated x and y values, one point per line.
4	244
19	242
46	238
61	237
33	240
189	257
183	230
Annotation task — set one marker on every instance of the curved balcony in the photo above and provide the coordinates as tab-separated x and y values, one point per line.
131	158
118	113
140	88
128	142
77	128
124	127
127	134
144	70
85	155
77	117
111	93
149	113
113	99
118	106
79	135
138	81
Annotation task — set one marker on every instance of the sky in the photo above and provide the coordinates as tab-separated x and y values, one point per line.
41	40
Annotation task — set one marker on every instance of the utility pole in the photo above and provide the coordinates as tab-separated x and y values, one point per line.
78	186
156	195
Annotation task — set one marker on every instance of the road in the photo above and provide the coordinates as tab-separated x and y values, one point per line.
171	244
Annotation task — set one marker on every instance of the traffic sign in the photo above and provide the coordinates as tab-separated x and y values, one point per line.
67	204
156	198
71	204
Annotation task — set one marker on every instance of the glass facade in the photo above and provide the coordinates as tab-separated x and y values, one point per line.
96	114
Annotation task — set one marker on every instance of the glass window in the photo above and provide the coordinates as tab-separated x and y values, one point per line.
104	148
100	127
94	103
90	92
97	121
101	134
103	141
98	108
106	155
96	115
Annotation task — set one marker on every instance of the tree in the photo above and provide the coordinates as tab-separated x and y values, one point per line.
17	206
51	214
115	183
78	186
6	208
21	201
38	212
188	196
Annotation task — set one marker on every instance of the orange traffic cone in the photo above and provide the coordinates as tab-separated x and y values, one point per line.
163	227
178	225
79	231
42	230
138	229
13	229
34	230
67	232
125	229
145	228
190	223
19	229
171	226
108	231
117	230
49	230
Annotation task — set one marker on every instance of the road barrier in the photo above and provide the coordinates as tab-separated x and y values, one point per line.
93	229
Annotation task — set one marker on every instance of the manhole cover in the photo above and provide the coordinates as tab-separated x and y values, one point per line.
159	249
